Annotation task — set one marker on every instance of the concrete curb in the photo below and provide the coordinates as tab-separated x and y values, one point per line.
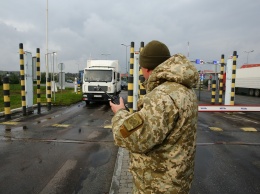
114	188
12	111
19	109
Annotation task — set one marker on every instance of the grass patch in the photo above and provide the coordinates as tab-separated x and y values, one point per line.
61	98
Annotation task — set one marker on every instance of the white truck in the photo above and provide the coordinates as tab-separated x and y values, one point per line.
248	80
101	76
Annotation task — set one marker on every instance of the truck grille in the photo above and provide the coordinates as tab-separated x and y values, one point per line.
96	88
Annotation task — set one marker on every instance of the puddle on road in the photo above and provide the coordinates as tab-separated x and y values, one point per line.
13	129
100	157
44	120
94	134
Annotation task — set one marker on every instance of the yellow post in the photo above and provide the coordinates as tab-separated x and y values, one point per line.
6	91
213	92
233	80
141	77
49	93
131	80
221	79
21	53
38	74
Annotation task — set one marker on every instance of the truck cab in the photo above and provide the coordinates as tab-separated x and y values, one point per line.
99	77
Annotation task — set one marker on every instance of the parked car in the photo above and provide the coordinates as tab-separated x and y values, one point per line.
69	81
123	85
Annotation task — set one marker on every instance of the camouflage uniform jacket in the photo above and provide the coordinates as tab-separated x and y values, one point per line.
162	148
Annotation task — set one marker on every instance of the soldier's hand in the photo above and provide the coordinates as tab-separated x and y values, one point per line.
116	107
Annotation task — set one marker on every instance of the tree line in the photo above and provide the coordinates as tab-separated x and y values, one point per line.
14	77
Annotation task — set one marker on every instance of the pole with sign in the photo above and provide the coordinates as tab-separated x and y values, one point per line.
228	81
198	62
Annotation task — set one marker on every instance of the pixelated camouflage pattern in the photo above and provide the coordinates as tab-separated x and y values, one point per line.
162	149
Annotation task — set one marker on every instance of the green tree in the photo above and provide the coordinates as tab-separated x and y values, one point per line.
1	79
14	78
43	77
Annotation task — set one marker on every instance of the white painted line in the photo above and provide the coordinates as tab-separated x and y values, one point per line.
238	118
245	119
102	107
57	180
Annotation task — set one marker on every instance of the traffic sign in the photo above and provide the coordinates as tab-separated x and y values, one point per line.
197	61
202	76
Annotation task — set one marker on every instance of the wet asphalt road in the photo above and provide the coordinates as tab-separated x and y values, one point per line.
71	150
227	155
227	161
66	150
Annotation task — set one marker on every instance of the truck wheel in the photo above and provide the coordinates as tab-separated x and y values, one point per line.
87	103
257	92
251	92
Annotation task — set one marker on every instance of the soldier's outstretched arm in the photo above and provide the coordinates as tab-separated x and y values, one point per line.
141	131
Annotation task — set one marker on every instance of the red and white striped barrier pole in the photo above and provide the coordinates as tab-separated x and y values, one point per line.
228	108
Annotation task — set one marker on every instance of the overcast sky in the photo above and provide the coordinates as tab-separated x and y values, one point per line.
79	30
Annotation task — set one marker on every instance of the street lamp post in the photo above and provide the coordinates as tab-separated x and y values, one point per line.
125	56
52	64
248	54
46	55
47	65
53	53
51	69
53	82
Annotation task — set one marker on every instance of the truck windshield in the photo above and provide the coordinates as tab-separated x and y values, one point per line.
98	75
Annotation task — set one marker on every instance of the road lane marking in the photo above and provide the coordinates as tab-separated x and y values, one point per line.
60	125
108	126
102	107
215	129
59	177
9	123
249	129
245	119
10	138
238	118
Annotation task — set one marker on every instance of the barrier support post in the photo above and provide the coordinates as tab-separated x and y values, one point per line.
21	53
131	79
233	80
141	77
213	92
221	80
6	91
49	93
38	74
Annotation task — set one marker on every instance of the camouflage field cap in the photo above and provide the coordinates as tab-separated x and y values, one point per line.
153	54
